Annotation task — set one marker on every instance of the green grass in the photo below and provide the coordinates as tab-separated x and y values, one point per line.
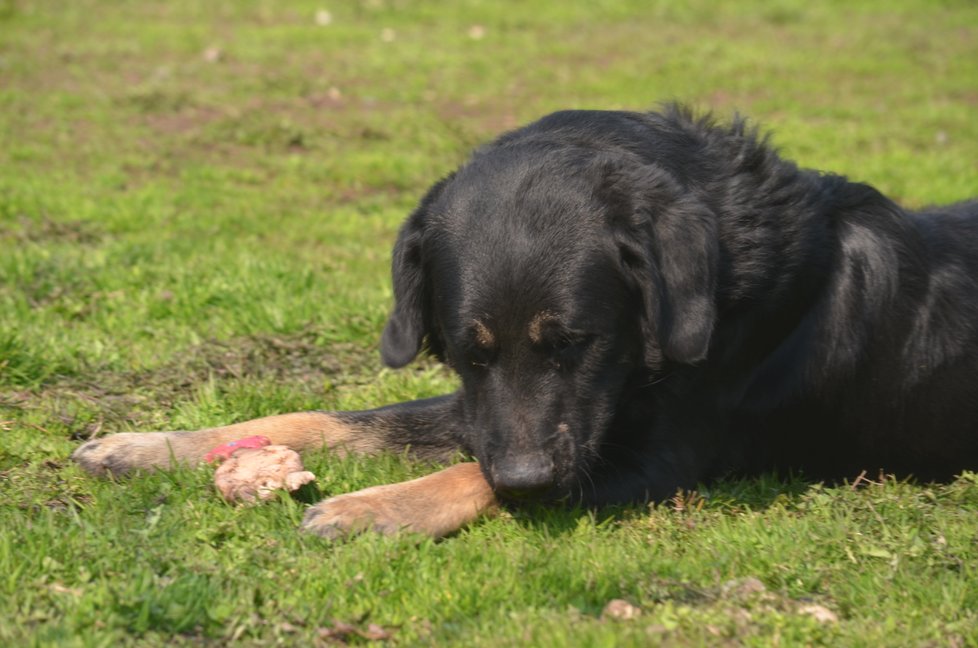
197	204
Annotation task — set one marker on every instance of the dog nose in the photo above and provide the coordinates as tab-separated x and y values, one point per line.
522	477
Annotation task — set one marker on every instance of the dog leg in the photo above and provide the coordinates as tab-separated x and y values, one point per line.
427	427
435	505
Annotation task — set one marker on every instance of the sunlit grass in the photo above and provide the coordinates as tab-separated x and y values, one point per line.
197	205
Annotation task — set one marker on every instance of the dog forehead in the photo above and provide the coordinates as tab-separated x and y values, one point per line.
525	187
515	235
519	227
518	298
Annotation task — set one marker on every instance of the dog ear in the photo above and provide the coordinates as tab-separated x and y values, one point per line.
669	248
686	248
410	322
404	332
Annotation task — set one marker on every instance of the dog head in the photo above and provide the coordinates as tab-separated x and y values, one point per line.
555	271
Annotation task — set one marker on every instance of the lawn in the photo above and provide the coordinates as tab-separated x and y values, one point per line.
197	206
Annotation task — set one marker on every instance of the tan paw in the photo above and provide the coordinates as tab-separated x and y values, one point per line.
368	510
122	453
434	505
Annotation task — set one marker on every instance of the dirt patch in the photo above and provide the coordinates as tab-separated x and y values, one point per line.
299	357
107	399
474	123
182	121
47	230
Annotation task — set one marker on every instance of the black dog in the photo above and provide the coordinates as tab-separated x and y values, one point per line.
636	303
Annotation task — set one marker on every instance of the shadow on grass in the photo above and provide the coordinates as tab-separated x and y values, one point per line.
727	495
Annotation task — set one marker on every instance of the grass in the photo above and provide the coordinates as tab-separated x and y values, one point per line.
197	204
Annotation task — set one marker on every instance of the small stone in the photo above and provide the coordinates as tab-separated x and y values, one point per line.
819	613
324	18
620	610
743	587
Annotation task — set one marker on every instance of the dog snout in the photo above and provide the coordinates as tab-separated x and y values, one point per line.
523	476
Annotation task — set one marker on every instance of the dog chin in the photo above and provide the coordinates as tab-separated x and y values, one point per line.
569	491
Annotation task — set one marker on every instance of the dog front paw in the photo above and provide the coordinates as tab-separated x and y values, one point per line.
435	505
371	509
122	453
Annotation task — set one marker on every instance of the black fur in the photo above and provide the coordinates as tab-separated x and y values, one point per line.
707	308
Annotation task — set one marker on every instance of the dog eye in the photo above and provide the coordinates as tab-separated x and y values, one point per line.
577	342
567	350
478	357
